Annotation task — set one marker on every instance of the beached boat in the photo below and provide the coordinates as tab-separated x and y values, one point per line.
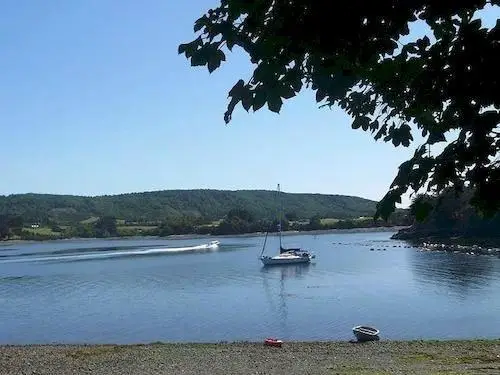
273	342
286	256
366	333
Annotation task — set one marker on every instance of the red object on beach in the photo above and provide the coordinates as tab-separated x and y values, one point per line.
273	342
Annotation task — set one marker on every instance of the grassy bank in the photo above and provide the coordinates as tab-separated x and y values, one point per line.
380	358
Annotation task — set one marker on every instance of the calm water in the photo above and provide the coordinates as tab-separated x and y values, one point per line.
123	291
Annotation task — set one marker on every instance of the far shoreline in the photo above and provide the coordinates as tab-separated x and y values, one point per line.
194	236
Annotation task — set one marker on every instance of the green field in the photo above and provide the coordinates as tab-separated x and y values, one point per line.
132	230
90	220
212	224
329	221
42	231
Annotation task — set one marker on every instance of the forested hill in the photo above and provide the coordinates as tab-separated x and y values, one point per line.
168	204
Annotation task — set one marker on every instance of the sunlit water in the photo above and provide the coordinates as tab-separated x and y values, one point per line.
124	291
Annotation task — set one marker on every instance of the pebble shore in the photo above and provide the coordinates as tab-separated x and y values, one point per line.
378	358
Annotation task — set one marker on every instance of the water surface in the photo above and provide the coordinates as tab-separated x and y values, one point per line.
128	291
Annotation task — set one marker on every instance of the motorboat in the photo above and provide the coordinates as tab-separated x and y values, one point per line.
213	244
366	333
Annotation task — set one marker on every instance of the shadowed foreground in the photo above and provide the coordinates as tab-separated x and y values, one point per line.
391	357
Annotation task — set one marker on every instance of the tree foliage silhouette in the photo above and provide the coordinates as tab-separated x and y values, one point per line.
352	55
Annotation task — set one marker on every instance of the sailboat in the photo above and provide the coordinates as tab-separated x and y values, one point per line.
285	256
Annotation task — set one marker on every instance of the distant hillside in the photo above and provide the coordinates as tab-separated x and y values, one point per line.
168	204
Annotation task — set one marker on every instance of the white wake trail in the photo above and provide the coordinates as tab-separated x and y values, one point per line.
214	245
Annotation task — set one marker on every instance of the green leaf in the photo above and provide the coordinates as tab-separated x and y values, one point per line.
287	92
230	43
405	142
374	125
274	103
435	137
423	43
361	122
236	94
200	23
320	95
200	57
406	29
246	100
215	59
409	48
260	99
365	125
237	90
182	48
339	85
382	131
388	204
235	9
396	140
230	108
475	24
190	48
405	136
294	78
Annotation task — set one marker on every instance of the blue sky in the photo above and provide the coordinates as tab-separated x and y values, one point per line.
94	99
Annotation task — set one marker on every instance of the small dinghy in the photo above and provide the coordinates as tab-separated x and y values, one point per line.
366	333
273	342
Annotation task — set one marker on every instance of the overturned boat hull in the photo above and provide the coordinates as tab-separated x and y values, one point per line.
366	333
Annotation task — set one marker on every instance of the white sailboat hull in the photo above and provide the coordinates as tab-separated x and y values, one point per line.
285	258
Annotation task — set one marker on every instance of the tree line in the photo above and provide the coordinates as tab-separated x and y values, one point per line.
236	221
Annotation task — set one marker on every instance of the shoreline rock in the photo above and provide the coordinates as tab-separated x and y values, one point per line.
426	241
464	249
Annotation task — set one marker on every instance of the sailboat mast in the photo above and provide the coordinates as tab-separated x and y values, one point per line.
280	214
264	247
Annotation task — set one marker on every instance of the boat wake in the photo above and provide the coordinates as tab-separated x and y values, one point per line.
211	246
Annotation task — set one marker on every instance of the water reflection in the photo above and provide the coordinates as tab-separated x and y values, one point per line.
275	280
287	271
461	274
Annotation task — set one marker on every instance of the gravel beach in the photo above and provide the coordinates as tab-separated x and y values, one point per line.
383	357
